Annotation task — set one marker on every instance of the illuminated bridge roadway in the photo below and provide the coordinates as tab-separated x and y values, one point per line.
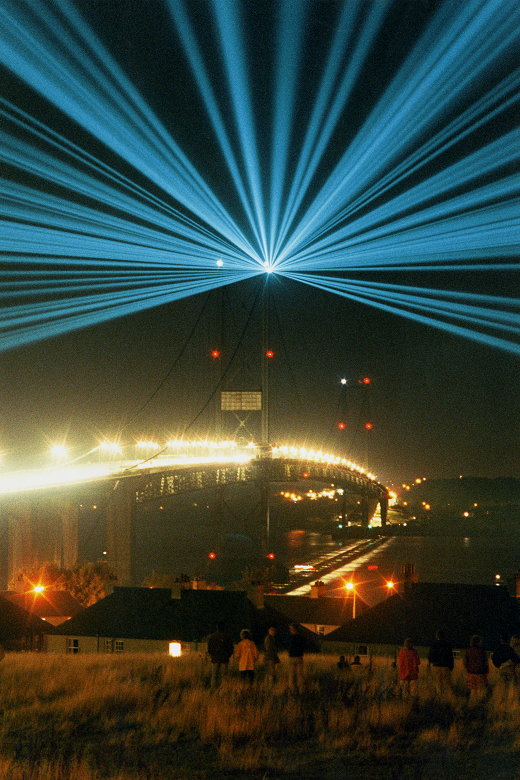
45	502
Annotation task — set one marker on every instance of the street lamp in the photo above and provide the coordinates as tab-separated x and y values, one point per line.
350	586
390	586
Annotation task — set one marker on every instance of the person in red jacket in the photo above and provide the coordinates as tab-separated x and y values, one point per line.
477	666
408	662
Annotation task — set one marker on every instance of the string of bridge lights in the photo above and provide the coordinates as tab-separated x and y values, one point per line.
110	458
413	190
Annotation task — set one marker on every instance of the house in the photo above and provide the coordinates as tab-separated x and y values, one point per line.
162	620
53	606
20	630
459	610
317	612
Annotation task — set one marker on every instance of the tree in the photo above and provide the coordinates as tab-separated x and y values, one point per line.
87	582
258	575
48	575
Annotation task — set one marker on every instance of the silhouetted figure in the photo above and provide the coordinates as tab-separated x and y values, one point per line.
246	655
220	650
505	660
342	663
408	662
477	667
271	654
296	650
440	658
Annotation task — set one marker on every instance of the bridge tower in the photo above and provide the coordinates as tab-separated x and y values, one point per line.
120	519
41	529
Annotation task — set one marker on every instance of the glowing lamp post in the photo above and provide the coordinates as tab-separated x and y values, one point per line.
390	587
350	587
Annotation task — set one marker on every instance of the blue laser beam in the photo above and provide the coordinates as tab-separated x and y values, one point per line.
424	179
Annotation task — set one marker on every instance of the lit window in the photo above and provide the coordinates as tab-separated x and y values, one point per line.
174	649
109	646
119	646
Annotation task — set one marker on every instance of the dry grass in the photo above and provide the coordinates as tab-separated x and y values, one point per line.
145	717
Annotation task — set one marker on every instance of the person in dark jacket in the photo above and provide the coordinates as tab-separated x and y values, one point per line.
296	650
220	650
440	658
505	660
271	654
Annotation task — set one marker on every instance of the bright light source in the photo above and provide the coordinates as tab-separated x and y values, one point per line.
38	588
390	585
220	263
349	586
174	649
58	451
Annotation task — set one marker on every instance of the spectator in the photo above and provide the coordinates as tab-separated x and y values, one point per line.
246	656
220	650
342	663
271	654
296	649
440	658
505	660
408	662
477	667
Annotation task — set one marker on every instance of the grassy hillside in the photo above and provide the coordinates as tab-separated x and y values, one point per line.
153	718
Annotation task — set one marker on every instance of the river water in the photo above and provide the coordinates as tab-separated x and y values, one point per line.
476	559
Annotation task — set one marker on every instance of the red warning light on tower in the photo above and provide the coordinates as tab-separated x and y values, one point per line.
212	555
366	380
341	426
269	353
305	475
368	426
215	353
270	556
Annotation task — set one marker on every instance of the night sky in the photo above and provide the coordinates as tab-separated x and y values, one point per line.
440	405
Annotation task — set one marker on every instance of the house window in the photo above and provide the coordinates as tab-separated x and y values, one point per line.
174	649
72	645
119	646
320	630
109	645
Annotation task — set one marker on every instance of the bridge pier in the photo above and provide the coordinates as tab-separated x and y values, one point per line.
120	518
40	531
383	504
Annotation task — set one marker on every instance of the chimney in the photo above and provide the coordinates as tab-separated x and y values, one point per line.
318	589
112	583
181	583
409	576
255	593
20	583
